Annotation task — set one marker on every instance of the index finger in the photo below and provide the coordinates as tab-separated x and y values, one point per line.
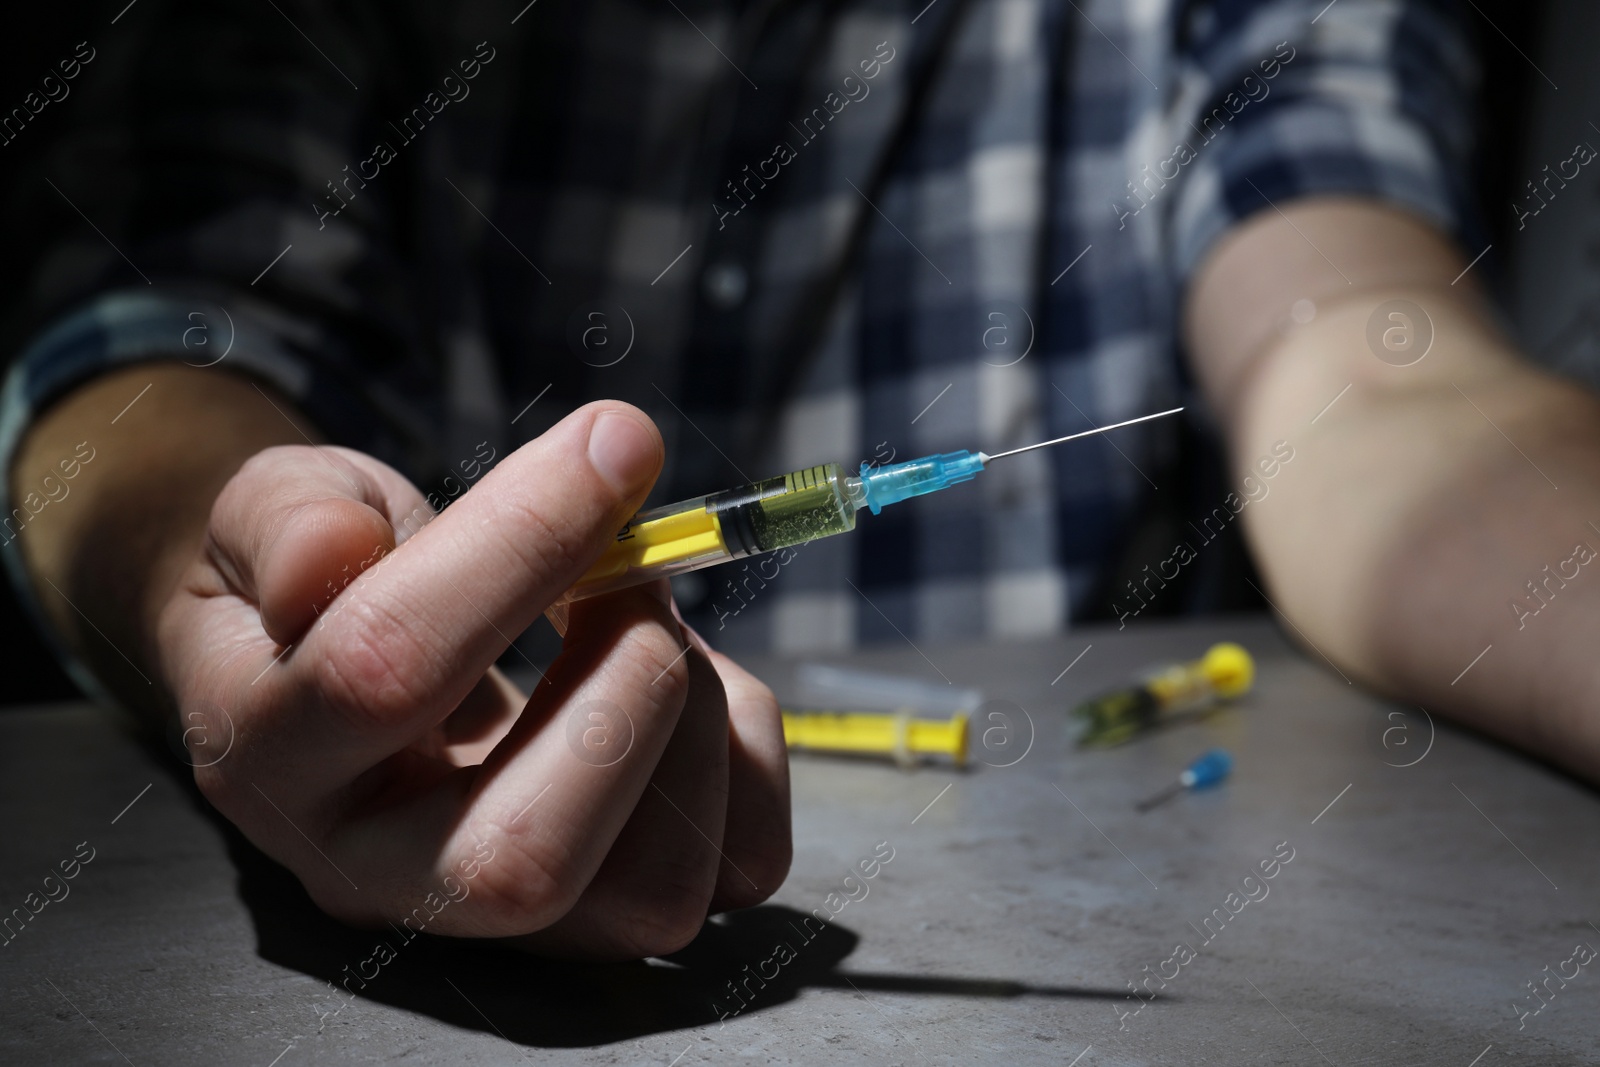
420	629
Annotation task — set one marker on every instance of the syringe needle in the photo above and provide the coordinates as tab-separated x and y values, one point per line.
1203	773
1073	437
1160	798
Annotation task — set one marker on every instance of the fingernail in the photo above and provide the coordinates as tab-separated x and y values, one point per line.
623	451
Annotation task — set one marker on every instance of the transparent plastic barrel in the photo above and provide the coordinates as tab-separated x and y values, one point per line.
759	517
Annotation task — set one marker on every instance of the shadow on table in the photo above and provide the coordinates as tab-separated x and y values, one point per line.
483	986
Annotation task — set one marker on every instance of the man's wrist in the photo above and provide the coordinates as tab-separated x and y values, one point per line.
106	556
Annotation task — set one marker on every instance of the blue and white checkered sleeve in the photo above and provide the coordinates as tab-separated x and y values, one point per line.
240	335
1295	98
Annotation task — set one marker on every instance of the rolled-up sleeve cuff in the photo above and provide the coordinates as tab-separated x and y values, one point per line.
128	327
1374	103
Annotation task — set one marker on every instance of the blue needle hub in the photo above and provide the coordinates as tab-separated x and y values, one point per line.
882	486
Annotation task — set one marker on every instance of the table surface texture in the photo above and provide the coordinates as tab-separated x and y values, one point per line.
1432	895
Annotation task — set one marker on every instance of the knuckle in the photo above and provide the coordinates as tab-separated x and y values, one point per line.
761	702
765	862
266	462
670	915
668	904
656	651
762	695
527	889
375	671
539	544
262	471
652	936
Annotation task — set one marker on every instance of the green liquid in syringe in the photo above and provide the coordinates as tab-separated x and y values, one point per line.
801	507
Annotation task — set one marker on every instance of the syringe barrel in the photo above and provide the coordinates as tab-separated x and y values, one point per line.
759	517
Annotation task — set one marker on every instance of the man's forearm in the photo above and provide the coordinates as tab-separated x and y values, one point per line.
1432	511
105	554
1413	520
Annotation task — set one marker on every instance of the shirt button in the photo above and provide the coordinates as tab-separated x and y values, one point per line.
726	284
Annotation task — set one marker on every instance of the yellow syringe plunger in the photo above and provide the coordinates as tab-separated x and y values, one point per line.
901	737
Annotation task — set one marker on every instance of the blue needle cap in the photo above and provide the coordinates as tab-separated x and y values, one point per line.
1208	770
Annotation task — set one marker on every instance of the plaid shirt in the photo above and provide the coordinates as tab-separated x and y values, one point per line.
793	232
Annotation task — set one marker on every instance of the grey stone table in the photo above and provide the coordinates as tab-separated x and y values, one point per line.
1422	879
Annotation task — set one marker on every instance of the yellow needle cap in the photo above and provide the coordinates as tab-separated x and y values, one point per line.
1229	669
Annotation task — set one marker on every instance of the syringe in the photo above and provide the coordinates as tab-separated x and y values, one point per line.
1163	695
776	513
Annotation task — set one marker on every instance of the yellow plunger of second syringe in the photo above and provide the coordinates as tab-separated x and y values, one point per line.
902	737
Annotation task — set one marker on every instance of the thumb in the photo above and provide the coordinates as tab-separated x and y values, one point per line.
321	547
298	524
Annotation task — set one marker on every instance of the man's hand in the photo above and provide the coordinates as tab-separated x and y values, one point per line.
350	637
